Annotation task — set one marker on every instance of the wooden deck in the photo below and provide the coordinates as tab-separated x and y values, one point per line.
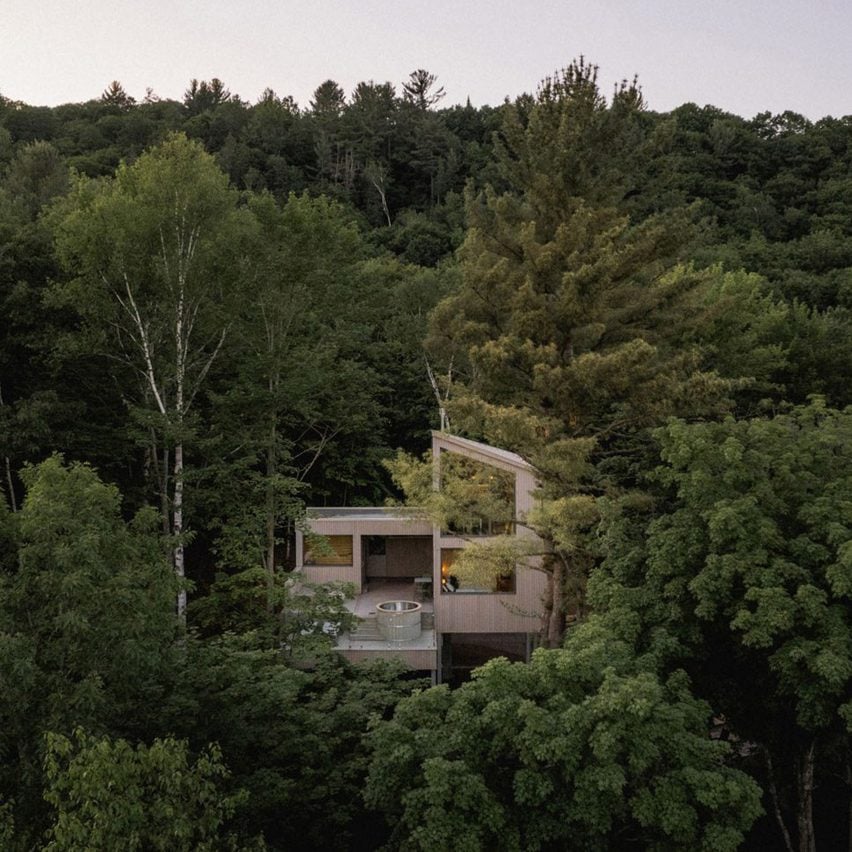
365	644
377	591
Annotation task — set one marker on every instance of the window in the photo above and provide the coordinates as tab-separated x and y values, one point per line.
329	550
451	582
481	497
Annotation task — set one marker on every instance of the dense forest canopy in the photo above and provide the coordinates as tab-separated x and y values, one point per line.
216	313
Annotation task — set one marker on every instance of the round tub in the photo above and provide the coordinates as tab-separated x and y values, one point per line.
398	621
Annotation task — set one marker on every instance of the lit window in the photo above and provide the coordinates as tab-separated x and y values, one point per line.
450	581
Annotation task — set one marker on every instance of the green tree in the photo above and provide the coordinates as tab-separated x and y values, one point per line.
333	160
295	740
420	89
743	580
577	749
204	96
115	95
109	795
568	329
300	378
155	255
36	176
32	411
87	627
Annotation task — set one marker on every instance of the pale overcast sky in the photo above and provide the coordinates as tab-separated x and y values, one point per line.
744	56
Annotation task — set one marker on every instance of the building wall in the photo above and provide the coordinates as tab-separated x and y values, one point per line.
409	557
461	612
358	528
417	660
483	612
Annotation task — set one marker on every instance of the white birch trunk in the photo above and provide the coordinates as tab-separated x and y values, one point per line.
177	514
181	346
13	503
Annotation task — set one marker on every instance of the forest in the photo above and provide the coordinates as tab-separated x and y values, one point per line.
216	313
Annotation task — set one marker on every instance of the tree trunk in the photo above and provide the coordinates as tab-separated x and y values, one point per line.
271	465
177	529
13	503
181	347
163	473
776	804
555	627
376	174
807	841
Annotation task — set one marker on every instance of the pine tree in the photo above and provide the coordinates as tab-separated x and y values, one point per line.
570	316
114	95
420	89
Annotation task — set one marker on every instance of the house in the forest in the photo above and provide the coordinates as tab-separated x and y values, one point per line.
409	603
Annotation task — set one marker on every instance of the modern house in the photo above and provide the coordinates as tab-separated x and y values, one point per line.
409	603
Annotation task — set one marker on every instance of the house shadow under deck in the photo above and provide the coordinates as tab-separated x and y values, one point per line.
365	642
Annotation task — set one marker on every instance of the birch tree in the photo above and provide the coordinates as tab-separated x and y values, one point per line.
154	252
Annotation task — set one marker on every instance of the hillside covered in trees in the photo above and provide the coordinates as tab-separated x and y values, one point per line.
216	313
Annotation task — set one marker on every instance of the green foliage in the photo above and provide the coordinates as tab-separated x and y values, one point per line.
36	176
7	826
86	622
300	618
109	795
293	739
760	534
574	748
473	498
738	573
91	597
158	230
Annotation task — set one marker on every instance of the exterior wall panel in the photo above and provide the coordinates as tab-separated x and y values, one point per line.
455	612
417	660
475	612
332	574
358	528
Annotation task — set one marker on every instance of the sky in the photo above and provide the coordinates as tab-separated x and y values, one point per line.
743	56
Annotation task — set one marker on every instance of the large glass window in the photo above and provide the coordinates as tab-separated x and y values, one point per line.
480	498
451	582
329	550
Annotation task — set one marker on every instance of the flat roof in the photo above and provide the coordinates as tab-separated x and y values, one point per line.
364	513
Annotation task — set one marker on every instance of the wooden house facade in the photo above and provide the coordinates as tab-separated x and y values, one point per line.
398	555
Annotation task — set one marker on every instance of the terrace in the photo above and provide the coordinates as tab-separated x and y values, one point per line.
372	639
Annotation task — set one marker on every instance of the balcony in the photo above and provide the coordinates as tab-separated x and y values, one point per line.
369	640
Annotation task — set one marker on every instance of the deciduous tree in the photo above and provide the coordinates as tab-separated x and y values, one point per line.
743	579
87	627
154	256
109	795
577	748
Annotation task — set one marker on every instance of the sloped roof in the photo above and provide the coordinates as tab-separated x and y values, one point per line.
505	456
